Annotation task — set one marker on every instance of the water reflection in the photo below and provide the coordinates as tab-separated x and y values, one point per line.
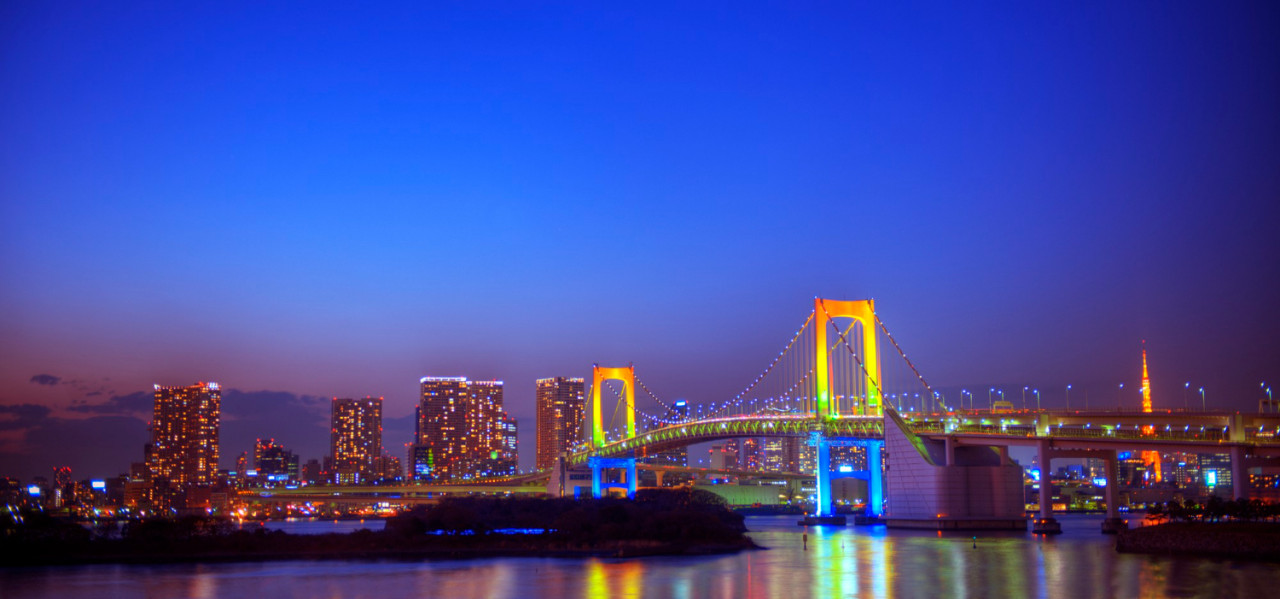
839	562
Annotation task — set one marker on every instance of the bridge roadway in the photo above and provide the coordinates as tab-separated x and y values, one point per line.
1064	431
1185	430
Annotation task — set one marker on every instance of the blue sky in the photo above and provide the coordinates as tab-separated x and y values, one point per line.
321	200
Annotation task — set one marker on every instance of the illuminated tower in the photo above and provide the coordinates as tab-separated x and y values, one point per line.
561	409
1150	458
184	434
356	438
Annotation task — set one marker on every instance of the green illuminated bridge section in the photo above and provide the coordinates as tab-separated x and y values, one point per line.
1196	428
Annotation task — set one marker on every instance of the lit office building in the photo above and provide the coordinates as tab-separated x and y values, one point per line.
462	430
782	454
724	456
356	438
752	457
184	435
561	409
1215	474
273	462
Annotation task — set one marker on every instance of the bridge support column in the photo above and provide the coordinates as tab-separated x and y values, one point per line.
1113	523
1045	524
826	506
1239	476
599	465
631	478
875	483
597	482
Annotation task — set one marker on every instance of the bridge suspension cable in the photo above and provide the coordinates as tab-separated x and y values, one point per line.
915	370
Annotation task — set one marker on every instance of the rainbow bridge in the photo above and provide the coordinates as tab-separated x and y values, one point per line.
947	466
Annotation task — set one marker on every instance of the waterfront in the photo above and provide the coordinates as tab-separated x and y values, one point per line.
846	562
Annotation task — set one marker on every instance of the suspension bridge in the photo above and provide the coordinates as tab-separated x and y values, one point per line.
830	386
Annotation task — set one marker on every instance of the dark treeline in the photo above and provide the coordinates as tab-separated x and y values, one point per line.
656	522
1215	509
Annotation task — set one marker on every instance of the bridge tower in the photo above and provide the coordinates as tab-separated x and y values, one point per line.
627	376
864	313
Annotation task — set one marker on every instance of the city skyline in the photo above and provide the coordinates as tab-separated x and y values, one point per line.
373	198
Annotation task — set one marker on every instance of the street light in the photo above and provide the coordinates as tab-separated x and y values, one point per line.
1185	388
1024	398
1120	396
1037	392
1068	397
964	392
1203	408
989	404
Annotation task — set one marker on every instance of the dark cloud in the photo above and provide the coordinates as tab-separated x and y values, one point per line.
45	379
94	447
133	403
21	416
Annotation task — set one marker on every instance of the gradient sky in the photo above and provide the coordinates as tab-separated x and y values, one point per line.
309	201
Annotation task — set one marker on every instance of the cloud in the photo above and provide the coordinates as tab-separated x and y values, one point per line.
133	403
45	379
95	447
21	416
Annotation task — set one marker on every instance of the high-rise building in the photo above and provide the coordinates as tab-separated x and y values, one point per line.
184	435
724	456
356	438
273	462
752	455
782	455
462	430
561	409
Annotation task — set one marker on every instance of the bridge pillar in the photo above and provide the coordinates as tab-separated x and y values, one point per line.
1239	476
597	480
1045	524
826	505
875	484
1113	522
599	465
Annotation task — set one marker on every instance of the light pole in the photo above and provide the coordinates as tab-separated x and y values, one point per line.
1120	396
1068	397
1203	406
1185	388
1001	392
1264	387
989	404
1037	392
964	392
1024	398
